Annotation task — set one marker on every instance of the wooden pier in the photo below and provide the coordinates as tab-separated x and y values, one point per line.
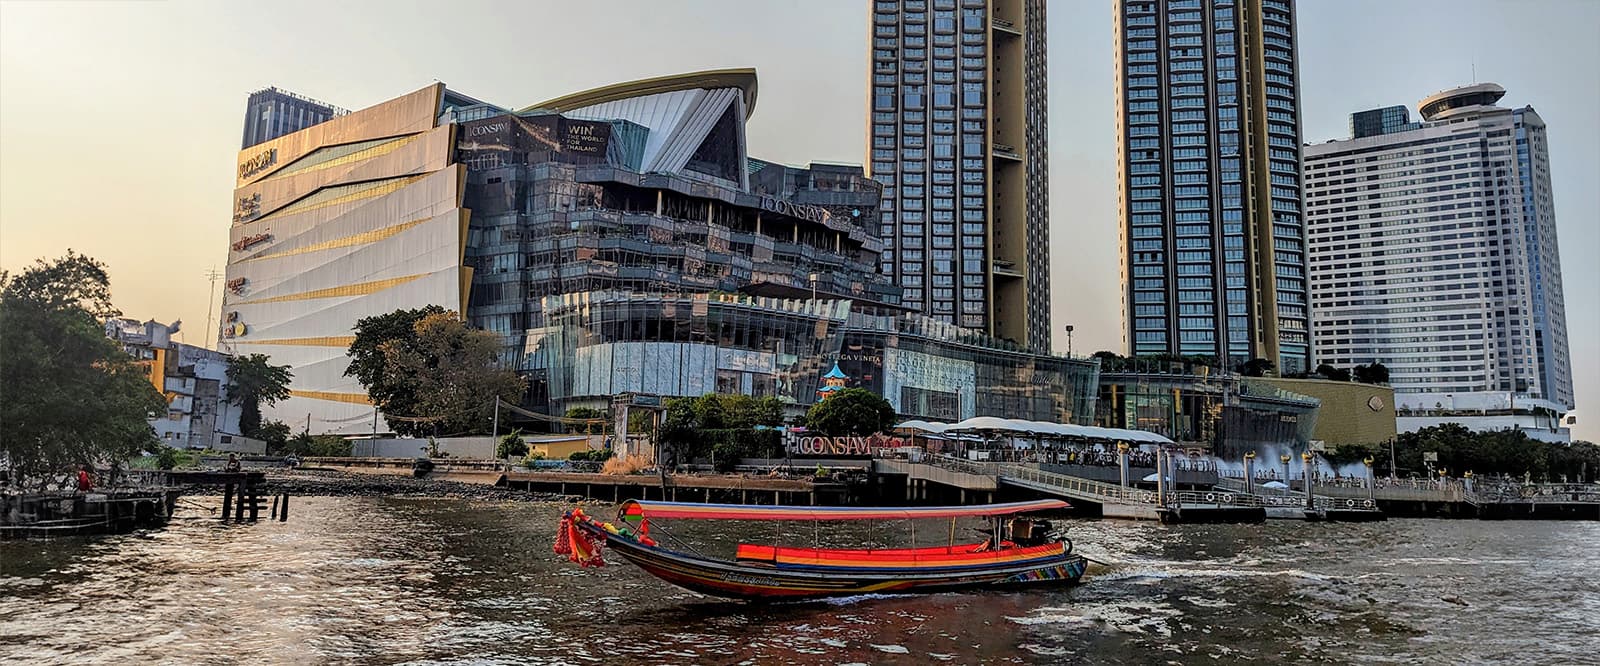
243	493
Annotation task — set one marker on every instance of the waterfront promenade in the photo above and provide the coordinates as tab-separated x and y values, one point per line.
949	480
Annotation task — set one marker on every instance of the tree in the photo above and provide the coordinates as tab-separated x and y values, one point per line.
1336	374
852	411
394	395
511	445
583	413
441	371
274	433
252	382
1110	361
1256	367
1377	373
723	428
68	394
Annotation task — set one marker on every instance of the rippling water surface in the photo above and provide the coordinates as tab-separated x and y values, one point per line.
360	580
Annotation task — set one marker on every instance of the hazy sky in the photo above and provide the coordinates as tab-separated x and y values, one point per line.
120	121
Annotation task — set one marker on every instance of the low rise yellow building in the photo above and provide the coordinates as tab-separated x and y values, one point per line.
559	447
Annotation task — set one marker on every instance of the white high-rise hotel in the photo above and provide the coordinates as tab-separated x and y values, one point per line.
1433	250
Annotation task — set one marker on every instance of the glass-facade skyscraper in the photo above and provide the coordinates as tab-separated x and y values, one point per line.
1209	123
959	144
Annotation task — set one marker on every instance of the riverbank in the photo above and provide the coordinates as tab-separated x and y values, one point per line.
337	483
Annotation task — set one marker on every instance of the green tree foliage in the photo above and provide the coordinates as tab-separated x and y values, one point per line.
394	394
722	428
254	381
68	394
274	433
853	411
1494	453
585	413
1154	363
1256	367
1377	373
511	445
326	446
1327	371
438	369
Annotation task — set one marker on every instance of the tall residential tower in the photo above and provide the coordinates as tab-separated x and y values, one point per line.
271	113
959	144
1433	251
1209	123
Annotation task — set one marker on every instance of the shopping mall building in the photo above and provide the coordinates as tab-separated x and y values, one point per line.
619	239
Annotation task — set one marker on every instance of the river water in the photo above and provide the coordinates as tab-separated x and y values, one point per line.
428	581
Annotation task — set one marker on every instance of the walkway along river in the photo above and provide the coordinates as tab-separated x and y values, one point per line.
428	581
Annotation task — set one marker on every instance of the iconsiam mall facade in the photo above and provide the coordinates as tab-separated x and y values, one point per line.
619	240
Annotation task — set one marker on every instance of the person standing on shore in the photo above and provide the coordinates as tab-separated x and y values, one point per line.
85	482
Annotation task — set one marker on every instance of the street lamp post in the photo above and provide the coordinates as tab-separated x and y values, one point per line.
1069	340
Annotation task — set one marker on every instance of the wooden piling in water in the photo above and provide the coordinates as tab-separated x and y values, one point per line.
238	506
274	514
227	500
255	503
283	513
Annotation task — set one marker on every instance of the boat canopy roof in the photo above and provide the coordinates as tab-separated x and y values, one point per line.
649	509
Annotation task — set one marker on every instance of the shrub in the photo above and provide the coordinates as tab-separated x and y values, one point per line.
623	466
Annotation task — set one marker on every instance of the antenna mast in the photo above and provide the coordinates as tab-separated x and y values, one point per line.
213	275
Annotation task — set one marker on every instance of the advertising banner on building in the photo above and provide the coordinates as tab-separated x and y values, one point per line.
538	137
584	137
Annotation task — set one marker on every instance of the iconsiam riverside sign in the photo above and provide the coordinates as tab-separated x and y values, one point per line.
802	445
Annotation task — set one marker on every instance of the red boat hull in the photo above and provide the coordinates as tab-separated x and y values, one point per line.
796	581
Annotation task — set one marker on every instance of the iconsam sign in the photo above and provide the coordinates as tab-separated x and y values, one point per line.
842	447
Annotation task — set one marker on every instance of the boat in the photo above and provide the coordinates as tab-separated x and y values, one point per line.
1020	552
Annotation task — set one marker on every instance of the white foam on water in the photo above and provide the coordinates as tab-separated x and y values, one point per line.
834	642
845	601
1179	572
1044	651
1207	603
891	649
941	656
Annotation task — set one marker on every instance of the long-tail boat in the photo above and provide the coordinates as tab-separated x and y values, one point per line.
1019	552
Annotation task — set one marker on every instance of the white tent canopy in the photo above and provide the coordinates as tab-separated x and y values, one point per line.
1037	428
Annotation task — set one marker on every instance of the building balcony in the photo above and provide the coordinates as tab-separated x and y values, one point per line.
1005	269
1005	151
1005	26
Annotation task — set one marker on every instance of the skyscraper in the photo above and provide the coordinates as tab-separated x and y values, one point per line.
1433	251
959	144
1213	252
271	113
